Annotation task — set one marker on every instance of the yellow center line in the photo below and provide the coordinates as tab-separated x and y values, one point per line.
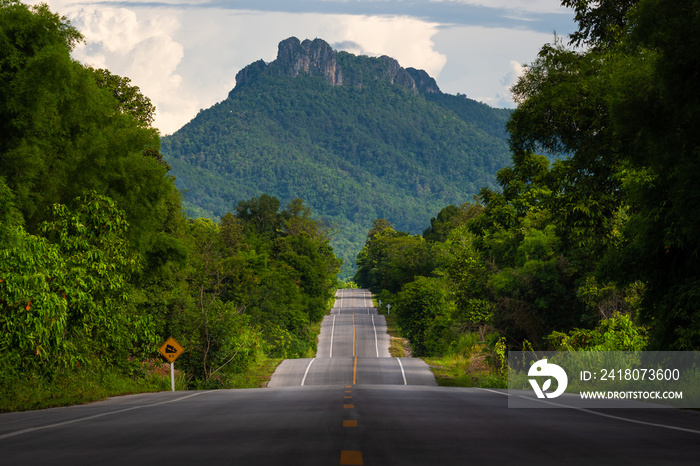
354	373
351	457
353	334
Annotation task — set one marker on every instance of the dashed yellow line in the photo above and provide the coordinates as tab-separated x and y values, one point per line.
351	457
349	423
353	334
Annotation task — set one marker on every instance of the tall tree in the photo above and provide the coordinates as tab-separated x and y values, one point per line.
658	122
624	114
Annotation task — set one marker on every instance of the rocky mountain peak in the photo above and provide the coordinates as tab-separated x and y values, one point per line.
317	58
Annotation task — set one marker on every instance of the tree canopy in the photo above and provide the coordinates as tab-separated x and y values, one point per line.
603	239
98	262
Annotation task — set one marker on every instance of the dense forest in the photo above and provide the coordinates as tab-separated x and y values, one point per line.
369	148
99	264
597	250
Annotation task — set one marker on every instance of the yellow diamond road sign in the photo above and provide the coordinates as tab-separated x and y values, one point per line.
171	349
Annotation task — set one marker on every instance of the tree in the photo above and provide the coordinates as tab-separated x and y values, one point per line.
468	275
599	22
261	215
658	122
215	330
390	259
624	112
131	101
64	135
450	218
67	300
423	309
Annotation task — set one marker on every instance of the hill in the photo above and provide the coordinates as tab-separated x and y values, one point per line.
357	138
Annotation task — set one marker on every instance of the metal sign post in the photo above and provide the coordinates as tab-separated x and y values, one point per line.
170	351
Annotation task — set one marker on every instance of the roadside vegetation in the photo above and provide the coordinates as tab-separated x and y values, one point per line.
591	246
98	263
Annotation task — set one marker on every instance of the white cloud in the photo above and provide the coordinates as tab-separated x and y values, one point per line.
186	58
221	42
142	49
531	6
408	40
516	70
485	62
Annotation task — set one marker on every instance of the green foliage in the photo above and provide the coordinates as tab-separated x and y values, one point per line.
98	263
600	23
67	301
609	228
65	134
624	111
216	335
390	259
130	99
617	333
468	274
255	284
423	309
87	383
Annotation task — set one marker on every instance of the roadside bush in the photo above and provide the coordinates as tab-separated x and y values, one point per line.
617	333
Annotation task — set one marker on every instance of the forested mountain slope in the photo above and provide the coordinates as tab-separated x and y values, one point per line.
356	138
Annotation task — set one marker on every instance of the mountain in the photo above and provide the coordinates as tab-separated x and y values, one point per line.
356	137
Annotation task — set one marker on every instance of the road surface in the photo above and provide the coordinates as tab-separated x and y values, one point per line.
377	421
353	348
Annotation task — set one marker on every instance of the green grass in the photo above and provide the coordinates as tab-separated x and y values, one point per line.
398	347
31	391
257	376
460	371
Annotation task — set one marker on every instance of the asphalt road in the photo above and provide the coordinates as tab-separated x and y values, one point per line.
386	423
353	348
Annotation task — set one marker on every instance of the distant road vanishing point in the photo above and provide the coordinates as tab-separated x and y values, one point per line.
353	348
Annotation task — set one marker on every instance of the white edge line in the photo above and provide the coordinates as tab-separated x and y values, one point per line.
403	374
493	391
376	344
610	416
332	331
87	418
307	371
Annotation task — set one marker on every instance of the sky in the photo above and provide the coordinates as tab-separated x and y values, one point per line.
184	55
